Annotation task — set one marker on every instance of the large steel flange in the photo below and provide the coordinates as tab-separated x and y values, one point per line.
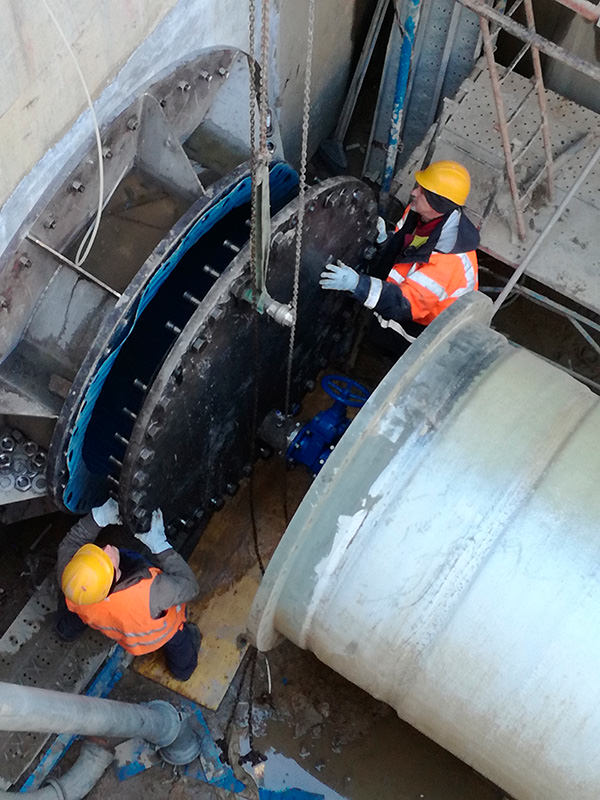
91	437
192	439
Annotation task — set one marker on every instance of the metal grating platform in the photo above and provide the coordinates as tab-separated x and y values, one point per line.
31	654
569	260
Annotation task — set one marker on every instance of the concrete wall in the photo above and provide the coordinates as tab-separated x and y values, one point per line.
123	46
43	95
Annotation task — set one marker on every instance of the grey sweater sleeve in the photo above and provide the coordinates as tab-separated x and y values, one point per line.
176	584
83	532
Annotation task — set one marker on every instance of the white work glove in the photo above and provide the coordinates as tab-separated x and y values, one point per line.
381	231
155	539
339	276
107	513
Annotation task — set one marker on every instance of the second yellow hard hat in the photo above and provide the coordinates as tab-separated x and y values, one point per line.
88	576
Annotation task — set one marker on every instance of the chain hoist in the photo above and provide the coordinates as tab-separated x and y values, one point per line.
301	194
260	208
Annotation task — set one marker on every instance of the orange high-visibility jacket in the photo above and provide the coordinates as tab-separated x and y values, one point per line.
430	279
432	287
125	617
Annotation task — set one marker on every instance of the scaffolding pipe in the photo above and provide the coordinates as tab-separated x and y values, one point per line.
26	708
544	45
502	125
550	224
539	87
78	781
585	9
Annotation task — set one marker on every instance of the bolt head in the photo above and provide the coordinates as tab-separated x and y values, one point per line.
154	429
140	478
146	455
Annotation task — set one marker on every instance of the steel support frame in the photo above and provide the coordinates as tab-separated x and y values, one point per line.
544	45
535	43
575	318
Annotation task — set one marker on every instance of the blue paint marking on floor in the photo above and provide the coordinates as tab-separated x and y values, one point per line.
289	794
213	770
134	756
110	673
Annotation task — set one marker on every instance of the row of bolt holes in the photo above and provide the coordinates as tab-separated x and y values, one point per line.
77	187
330	200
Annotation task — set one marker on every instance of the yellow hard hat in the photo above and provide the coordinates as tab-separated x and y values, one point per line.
448	179
88	576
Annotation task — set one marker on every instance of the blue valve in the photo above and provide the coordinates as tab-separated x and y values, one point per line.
314	442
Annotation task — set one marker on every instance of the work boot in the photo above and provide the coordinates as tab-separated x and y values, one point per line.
67	624
181	652
194	632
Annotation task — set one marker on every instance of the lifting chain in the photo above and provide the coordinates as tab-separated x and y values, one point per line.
260	219
301	195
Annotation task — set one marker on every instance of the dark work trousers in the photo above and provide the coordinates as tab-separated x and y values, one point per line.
181	652
68	625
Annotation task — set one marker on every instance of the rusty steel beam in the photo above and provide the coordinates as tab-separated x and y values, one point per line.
488	48
544	45
539	87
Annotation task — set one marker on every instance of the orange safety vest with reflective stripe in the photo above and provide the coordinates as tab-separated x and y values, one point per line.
433	286
125	617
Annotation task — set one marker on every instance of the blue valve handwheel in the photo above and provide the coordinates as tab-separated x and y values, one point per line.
347	391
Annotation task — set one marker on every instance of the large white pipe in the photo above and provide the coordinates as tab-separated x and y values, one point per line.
447	558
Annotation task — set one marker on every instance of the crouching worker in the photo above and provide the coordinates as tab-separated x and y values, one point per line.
126	597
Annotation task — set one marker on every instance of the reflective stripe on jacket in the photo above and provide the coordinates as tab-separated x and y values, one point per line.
432	287
125	617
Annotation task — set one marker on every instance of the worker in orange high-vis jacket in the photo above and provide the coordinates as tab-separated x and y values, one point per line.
428	263
138	603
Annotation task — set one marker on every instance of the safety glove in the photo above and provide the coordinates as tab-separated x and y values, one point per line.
155	539
107	513
339	276
381	231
